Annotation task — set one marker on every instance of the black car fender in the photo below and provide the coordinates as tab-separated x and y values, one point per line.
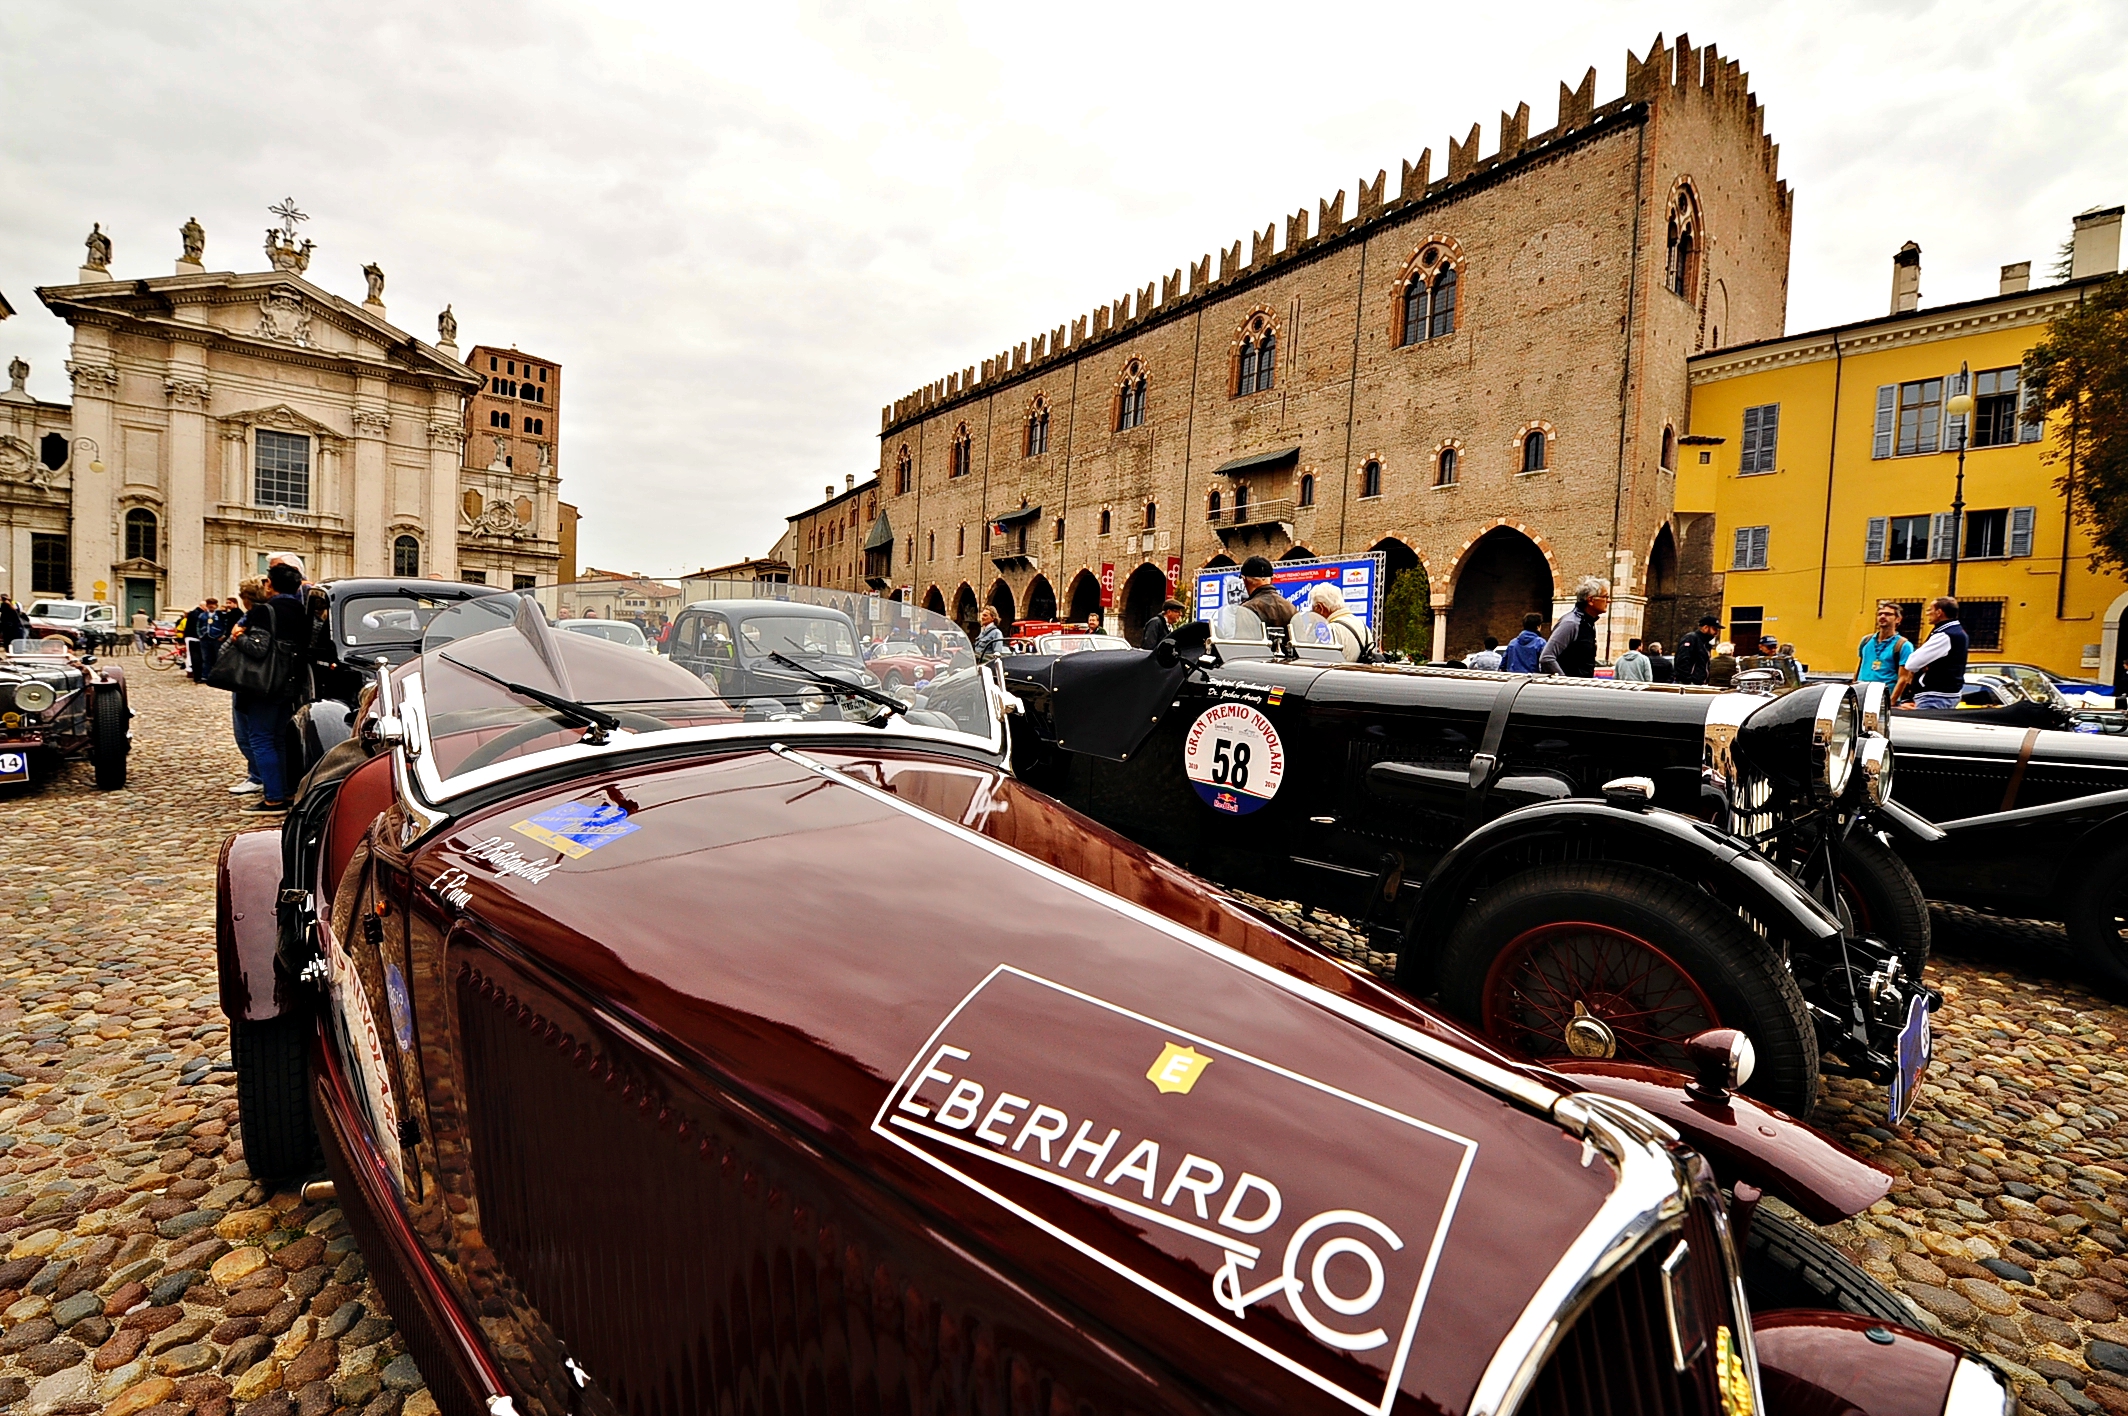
1582	829
1990	860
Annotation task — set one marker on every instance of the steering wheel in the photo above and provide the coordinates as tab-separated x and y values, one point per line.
489	752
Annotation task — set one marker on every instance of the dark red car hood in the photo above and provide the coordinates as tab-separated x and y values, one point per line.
850	965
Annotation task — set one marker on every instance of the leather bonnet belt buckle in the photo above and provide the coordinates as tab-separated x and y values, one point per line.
1485	763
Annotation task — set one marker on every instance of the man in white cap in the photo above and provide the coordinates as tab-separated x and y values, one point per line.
287	558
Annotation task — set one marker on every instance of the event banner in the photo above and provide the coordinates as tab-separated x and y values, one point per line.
1358	578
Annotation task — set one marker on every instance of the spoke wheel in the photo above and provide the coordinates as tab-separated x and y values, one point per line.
1545	976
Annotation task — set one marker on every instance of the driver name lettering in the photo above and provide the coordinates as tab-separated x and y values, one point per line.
1194	1170
502	856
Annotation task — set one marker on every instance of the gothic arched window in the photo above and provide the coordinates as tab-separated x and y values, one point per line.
1257	366
1130	397
1038	428
1371	479
1307	489
1533	450
1444	468
961	458
1681	268
1430	297
902	471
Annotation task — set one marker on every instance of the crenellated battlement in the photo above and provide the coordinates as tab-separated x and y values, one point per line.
1669	76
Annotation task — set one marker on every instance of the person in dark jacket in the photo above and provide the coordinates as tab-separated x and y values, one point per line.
1696	650
1158	627
1935	673
1263	599
264	718
1525	650
12	625
1665	667
1572	648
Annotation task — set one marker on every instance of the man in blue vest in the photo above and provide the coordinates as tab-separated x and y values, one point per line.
1935	673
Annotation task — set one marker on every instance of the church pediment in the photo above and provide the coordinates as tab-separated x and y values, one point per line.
280	416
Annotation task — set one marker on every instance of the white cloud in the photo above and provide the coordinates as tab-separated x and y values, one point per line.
744	229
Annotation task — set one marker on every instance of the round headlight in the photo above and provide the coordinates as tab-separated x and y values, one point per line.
34	697
1804	740
1875	761
1870	696
1839	730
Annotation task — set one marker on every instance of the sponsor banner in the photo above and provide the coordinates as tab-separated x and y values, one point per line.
1297	1219
1358	578
1108	585
1234	757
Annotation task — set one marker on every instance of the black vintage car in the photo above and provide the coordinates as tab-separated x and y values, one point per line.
374	623
2032	822
57	704
1580	867
760	650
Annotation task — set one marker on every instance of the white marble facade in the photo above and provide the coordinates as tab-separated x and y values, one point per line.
247	413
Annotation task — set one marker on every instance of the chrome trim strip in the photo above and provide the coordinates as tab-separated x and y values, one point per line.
1647	1203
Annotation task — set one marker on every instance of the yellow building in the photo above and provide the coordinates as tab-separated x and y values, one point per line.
1829	462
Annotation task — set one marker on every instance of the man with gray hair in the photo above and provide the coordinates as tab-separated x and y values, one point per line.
1572	648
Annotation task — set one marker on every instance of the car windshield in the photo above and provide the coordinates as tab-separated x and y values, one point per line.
617	631
59	612
400	618
1078	643
38	649
501	682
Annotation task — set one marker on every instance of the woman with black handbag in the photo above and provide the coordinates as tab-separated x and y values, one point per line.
264	664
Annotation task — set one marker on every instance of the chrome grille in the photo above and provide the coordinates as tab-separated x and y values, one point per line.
1751	812
1617	1357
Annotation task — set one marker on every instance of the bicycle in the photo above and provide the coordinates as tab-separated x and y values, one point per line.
168	656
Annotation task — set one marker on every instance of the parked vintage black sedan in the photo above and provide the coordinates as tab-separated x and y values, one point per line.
374	623
1576	866
57	704
671	1058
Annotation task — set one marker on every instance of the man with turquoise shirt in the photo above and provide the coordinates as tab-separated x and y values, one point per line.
1885	652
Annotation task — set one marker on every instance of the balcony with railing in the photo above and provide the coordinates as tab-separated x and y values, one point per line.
1252	518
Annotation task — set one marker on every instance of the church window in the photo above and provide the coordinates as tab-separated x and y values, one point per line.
281	474
1130	397
406	556
960	459
49	574
140	534
1371	479
1533	450
1430	298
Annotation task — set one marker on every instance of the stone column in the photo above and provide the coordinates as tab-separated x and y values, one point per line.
372	475
446	451
95	377
1438	648
185	497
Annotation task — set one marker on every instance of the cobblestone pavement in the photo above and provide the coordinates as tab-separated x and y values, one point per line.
141	1268
2004	1224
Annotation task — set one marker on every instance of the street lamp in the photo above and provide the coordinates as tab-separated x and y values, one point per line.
1960	407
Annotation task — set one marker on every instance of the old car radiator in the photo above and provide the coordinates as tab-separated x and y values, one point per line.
693	1260
1618	1359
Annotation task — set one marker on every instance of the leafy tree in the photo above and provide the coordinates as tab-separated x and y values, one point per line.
2078	373
1407	613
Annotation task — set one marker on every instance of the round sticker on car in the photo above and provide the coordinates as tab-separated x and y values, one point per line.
1234	758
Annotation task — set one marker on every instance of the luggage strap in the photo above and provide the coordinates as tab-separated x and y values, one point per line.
2017	773
1485	763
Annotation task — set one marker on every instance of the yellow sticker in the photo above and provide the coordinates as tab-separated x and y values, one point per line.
1730	1378
1177	1069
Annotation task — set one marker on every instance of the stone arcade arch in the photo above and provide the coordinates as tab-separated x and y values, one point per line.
1501	578
1085	596
1001	601
1142	595
1659	620
934	601
1405	620
1041	599
964	608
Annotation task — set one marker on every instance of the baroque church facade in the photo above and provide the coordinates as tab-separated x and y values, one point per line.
1482	374
218	417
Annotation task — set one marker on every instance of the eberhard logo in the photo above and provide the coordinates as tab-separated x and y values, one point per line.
1176	1069
1296	1218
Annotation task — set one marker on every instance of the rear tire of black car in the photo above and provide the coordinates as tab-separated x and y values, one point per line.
1697	956
2098	920
107	740
1787	1266
1886	899
890	681
272	1059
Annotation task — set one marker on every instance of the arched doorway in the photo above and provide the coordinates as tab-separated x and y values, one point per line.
934	601
1297	553
1085	596
1406	620
1142	597
1502	578
964	608
1660	621
1219	562
1041	599
1001	601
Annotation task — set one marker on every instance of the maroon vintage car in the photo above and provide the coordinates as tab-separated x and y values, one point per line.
656	1075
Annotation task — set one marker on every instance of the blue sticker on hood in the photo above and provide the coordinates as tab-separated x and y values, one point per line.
579	827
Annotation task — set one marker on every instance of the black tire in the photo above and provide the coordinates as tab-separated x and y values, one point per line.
890	681
273	1095
1787	1266
1886	899
2098	920
1686	932
107	739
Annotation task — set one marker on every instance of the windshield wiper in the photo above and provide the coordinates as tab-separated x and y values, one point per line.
598	724
887	701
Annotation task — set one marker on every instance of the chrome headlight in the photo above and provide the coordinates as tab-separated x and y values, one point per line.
1870	698
1875	760
1806	740
34	697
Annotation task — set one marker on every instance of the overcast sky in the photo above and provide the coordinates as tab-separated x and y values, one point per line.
744	229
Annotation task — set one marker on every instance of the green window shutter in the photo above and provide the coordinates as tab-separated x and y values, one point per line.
1887	415
1873	547
2021	518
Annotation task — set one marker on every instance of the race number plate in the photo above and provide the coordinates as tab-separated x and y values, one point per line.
1234	758
14	766
1916	1047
